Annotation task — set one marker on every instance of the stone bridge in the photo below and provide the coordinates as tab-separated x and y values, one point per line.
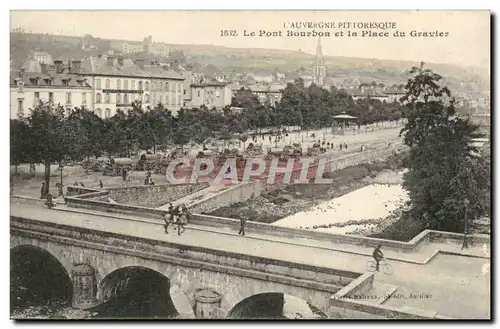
213	282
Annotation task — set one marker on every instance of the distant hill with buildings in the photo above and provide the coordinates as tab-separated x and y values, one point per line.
246	60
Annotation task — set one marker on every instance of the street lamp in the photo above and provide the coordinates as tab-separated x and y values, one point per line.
61	168
466	225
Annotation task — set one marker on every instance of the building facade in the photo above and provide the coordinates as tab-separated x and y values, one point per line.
116	84
148	47
28	89
167	88
271	94
211	95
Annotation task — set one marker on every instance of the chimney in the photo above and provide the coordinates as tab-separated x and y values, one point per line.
111	60
21	73
75	66
139	62
59	66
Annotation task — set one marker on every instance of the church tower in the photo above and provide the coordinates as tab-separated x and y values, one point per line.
319	69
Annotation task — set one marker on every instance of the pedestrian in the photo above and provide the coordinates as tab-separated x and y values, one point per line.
186	213
81	184
378	255
168	221
50	203
179	222
152	182
243	221
171	213
345	146
101	184
42	191
341	146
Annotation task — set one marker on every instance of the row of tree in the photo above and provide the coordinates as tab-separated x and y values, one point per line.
446	179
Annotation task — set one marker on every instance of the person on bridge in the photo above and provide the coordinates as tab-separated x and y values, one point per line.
378	255
168	220
186	213
101	184
243	221
171	213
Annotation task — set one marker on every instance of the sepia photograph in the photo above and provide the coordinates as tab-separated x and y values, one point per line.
250	165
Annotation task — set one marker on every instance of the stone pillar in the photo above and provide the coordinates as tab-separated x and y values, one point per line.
84	286
207	304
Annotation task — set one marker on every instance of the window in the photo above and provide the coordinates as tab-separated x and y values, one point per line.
166	86
107	113
84	98
184	91
51	97
65	82
98	98
140	85
146	98
160	86
98	112
107	99
20	108
68	98
217	93
98	84
198	93
125	84
133	84
140	98
118	84
36	99
125	99
21	87
108	84
146	86
161	99
117	98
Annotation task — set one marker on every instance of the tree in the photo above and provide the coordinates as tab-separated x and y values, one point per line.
20	142
51	136
446	179
89	129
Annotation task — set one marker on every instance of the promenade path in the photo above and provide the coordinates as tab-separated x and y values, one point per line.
455	283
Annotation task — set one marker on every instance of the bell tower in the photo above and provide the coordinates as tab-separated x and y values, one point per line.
319	69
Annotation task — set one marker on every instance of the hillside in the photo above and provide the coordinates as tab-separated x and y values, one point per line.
254	60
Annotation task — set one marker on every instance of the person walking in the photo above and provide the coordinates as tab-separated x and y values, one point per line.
243	221
179	221
42	191
101	184
378	256
168	220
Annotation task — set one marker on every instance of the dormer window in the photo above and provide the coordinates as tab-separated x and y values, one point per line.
34	81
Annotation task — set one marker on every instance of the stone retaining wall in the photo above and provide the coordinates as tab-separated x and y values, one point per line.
245	191
153	195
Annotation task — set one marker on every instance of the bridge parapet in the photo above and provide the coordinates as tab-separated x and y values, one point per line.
189	267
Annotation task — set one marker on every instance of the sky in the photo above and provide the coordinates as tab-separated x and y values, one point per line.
467	42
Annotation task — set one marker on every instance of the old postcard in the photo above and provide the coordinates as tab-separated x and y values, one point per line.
250	165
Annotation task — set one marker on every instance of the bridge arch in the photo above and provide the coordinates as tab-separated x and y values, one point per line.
274	305
38	277
141	292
